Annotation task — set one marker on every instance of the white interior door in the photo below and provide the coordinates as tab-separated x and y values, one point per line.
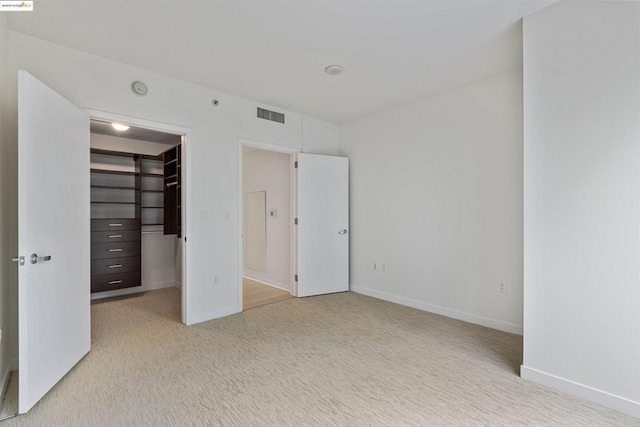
53	211
323	224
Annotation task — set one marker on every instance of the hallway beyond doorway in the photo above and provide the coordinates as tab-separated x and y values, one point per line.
255	294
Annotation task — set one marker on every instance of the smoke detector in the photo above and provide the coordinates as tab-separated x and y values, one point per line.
334	70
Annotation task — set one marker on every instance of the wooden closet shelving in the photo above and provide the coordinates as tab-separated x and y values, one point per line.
129	191
115	220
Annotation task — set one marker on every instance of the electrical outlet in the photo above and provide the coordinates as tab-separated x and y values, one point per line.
215	280
502	287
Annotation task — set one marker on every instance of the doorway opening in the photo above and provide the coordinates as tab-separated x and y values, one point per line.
268	209
137	187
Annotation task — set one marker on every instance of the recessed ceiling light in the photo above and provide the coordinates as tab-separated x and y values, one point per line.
334	70
118	126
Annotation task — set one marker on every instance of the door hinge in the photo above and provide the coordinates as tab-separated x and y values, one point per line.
296	277
295	164
19	260
295	221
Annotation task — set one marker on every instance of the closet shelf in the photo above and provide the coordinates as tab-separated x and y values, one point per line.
113	172
151	191
114	203
145	224
113	187
113	153
170	176
158	175
152	207
170	161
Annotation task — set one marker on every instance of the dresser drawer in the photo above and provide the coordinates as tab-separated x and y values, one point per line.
115	265
109	282
114	249
115	236
115	224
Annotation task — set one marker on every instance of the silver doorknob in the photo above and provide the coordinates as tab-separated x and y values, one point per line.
35	258
343	231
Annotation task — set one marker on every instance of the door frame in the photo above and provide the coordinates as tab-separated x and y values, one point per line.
185	289
293	200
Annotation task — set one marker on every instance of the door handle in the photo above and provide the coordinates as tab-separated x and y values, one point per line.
344	231
35	258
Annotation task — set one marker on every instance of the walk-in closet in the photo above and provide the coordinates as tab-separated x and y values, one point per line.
136	209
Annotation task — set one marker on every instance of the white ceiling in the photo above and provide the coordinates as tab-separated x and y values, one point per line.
274	52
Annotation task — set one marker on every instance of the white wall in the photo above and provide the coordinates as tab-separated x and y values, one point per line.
100	84
269	171
116	143
320	137
436	195
582	201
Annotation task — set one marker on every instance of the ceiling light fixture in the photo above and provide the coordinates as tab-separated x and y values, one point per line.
118	126
334	70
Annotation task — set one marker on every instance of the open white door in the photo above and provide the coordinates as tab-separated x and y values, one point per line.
54	330
323	224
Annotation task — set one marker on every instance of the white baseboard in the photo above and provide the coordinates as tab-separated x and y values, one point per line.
272	283
444	311
134	290
177	284
582	391
204	317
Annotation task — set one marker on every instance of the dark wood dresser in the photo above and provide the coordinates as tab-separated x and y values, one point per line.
115	254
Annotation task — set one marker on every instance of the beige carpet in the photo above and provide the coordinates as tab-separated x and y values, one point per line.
9	406
341	359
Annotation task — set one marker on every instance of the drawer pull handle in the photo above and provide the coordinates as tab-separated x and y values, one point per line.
171	184
115	236
115	282
115	250
115	224
116	266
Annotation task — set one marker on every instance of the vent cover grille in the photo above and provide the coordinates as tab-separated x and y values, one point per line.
270	115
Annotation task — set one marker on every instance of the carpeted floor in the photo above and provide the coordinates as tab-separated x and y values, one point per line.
9	405
342	359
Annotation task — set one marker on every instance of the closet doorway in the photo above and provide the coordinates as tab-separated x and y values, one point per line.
138	183
268	213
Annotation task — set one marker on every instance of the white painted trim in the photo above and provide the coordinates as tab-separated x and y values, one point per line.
204	317
272	283
293	152
444	311
186	193
134	290
608	400
177	284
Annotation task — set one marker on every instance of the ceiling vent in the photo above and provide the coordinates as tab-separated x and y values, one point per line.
270	115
